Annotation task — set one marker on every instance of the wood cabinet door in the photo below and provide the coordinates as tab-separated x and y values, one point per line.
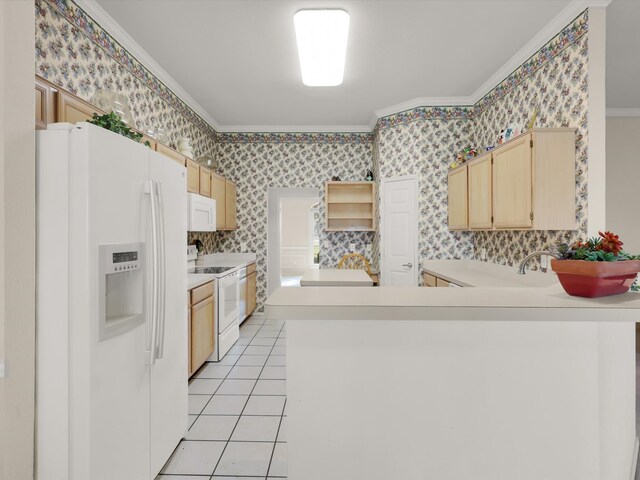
193	176
457	196
251	293
512	185
41	107
205	182
480	195
219	193
171	153
72	109
45	93
230	205
202	333
189	340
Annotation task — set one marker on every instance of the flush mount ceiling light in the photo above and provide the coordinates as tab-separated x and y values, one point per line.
322	45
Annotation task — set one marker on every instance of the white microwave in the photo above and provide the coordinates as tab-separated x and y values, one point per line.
201	214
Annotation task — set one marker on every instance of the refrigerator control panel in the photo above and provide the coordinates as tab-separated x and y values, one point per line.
123	261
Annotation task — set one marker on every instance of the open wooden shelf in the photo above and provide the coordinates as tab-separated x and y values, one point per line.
350	206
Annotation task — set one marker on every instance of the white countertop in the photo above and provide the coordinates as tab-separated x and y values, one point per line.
419	303
235	260
323	277
474	273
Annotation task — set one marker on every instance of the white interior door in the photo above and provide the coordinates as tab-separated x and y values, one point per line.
399	232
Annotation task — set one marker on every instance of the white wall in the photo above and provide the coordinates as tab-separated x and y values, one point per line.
623	172
17	238
295	233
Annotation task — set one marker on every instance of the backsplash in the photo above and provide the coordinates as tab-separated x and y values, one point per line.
75	53
296	160
425	147
554	80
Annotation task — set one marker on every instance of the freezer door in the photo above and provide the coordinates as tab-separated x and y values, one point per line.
169	372
109	379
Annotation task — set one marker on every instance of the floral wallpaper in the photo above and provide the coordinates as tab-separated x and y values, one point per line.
75	53
425	148
255	166
425	141
554	80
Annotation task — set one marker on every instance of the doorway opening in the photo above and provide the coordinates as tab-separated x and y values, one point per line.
293	235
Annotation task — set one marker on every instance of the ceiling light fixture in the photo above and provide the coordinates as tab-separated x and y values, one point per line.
322	45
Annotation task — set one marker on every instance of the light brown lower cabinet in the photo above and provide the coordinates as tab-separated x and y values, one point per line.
429	280
201	333
251	293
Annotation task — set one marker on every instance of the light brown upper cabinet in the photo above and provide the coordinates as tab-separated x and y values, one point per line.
480	198
171	153
72	109
219	193
457	199
512	185
45	103
529	185
193	176
230	205
205	182
350	206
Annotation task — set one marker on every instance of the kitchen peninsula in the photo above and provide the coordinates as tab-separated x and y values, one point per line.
454	384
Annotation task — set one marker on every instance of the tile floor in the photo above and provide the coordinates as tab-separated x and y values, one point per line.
237	412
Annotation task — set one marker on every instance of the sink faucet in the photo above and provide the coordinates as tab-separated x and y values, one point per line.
526	259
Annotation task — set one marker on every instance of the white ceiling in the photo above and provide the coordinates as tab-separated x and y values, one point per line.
238	58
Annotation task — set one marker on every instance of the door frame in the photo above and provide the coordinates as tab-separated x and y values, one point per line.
274	228
312	223
416	254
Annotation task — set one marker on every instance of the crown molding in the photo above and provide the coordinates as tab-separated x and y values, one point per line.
623	112
294	129
570	12
106	21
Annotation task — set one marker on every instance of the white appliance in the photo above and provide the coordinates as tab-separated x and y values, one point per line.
242	302
111	308
228	312
202	213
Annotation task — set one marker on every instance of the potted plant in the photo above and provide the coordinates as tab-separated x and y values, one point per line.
597	267
112	121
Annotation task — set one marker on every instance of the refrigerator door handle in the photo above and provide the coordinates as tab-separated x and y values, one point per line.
162	263
152	261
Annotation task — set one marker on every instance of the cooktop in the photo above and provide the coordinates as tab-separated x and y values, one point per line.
212	269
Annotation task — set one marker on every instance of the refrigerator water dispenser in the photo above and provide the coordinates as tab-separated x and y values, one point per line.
121	289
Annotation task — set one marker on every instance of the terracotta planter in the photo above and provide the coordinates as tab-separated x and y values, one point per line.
595	279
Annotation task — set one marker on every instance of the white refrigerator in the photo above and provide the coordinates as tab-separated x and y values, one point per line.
111	306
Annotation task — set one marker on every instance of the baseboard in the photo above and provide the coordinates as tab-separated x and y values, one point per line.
634	460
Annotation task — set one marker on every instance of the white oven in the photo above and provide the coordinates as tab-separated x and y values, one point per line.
228	312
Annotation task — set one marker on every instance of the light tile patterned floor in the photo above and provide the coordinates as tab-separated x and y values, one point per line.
237	412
